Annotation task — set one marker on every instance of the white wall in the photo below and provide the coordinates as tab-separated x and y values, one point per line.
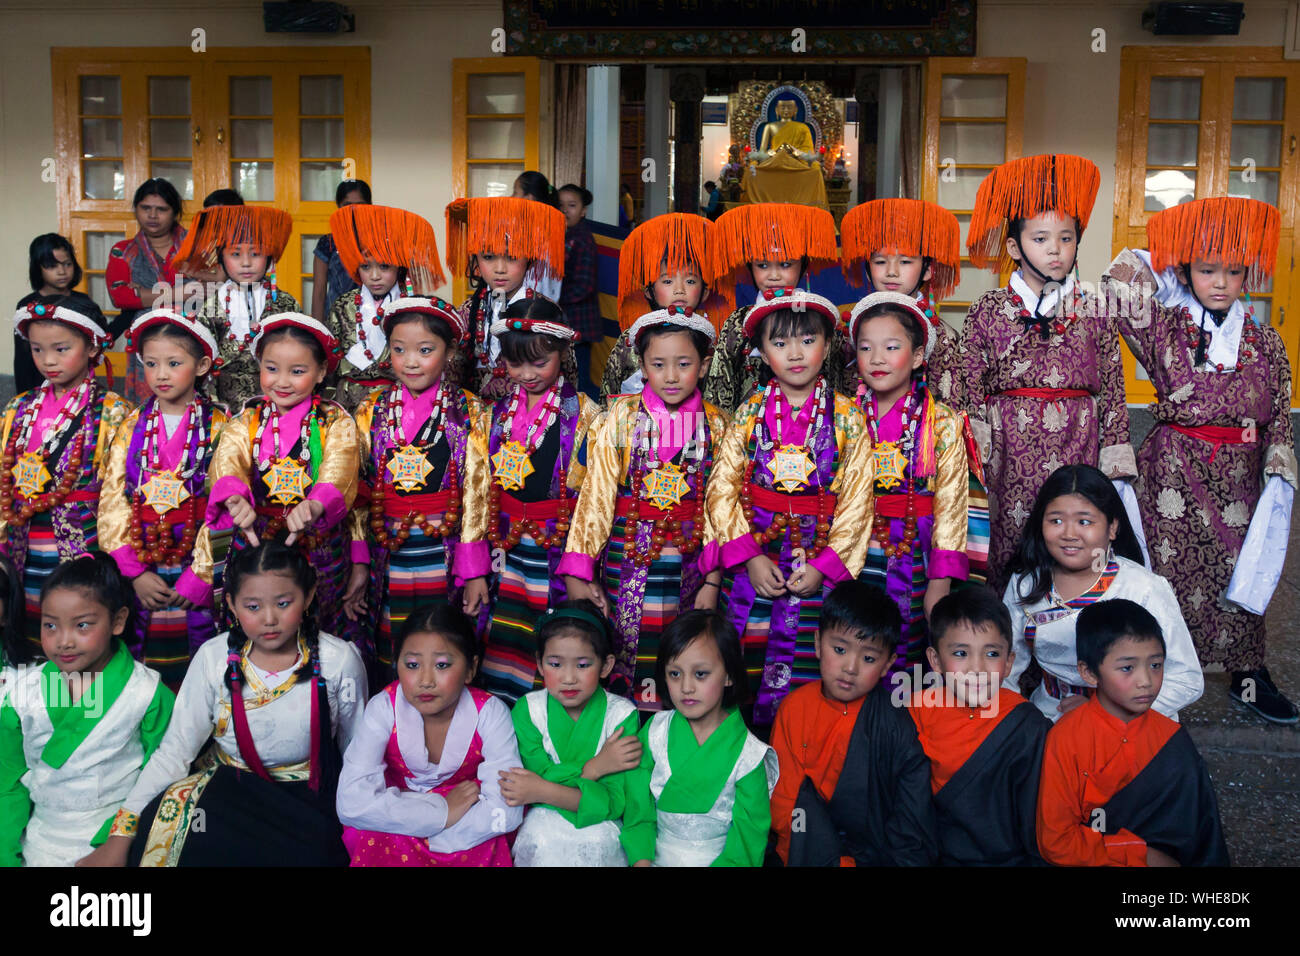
1072	94
411	45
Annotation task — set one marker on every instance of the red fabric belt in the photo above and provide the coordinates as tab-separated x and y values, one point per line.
684	511
1048	394
81	495
396	506
1217	435
177	515
774	501
546	510
895	506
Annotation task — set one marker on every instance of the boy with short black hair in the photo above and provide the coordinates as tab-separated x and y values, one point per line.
1123	785
985	743
852	770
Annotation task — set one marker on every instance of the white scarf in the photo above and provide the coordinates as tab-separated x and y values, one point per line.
372	336
1225	339
240	320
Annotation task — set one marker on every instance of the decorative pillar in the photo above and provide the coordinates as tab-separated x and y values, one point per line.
602	143
656	140
687	93
866	90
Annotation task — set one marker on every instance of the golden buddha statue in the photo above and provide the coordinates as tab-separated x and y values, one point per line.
786	135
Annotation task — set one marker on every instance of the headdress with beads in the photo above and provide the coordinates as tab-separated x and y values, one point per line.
505	226
1025	188
64	315
757	231
440	308
264	227
672	243
907	227
309	325
682	317
902	301
154	317
797	300
1232	230
389	235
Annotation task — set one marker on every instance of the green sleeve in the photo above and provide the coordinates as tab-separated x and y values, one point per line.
15	802
152	728
640	821
605	799
534	755
751	818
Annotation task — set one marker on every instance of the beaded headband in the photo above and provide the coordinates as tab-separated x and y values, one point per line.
64	315
500	326
775	300
305	322
892	298
424	305
168	317
683	316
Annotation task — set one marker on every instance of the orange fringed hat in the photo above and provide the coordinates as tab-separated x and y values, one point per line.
505	226
673	242
758	231
1022	189
1237	231
388	235
908	227
213	229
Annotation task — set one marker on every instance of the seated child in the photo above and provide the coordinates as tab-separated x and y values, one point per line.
419	785
700	797
852	770
985	742
75	731
576	740
1122	784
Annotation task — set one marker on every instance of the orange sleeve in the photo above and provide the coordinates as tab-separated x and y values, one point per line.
1066	832
791	776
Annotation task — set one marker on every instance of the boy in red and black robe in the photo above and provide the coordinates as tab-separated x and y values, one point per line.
1122	784
854	787
985	743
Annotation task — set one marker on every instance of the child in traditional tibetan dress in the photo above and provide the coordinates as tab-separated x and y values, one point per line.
1219	469
246	242
649	464
155	492
415	479
660	266
771	246
700	797
56	441
918	540
1078	549
289	463
789	501
912	247
1122	784
1041	376
421	781
525	452
280	700
75	731
578	743
389	253
504	246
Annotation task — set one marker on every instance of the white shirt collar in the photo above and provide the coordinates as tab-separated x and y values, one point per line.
410	739
240	320
1027	295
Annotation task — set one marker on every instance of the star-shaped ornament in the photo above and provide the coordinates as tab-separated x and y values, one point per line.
665	486
512	465
890	464
287	482
791	466
164	491
408	468
30	475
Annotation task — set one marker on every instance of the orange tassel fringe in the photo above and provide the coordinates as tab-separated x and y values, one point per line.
758	231
1022	189
264	227
392	236
504	226
907	227
1237	231
672	243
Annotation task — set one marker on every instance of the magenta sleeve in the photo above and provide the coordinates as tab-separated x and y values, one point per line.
473	560
949	564
331	500
830	565
194	589
127	562
577	565
739	550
